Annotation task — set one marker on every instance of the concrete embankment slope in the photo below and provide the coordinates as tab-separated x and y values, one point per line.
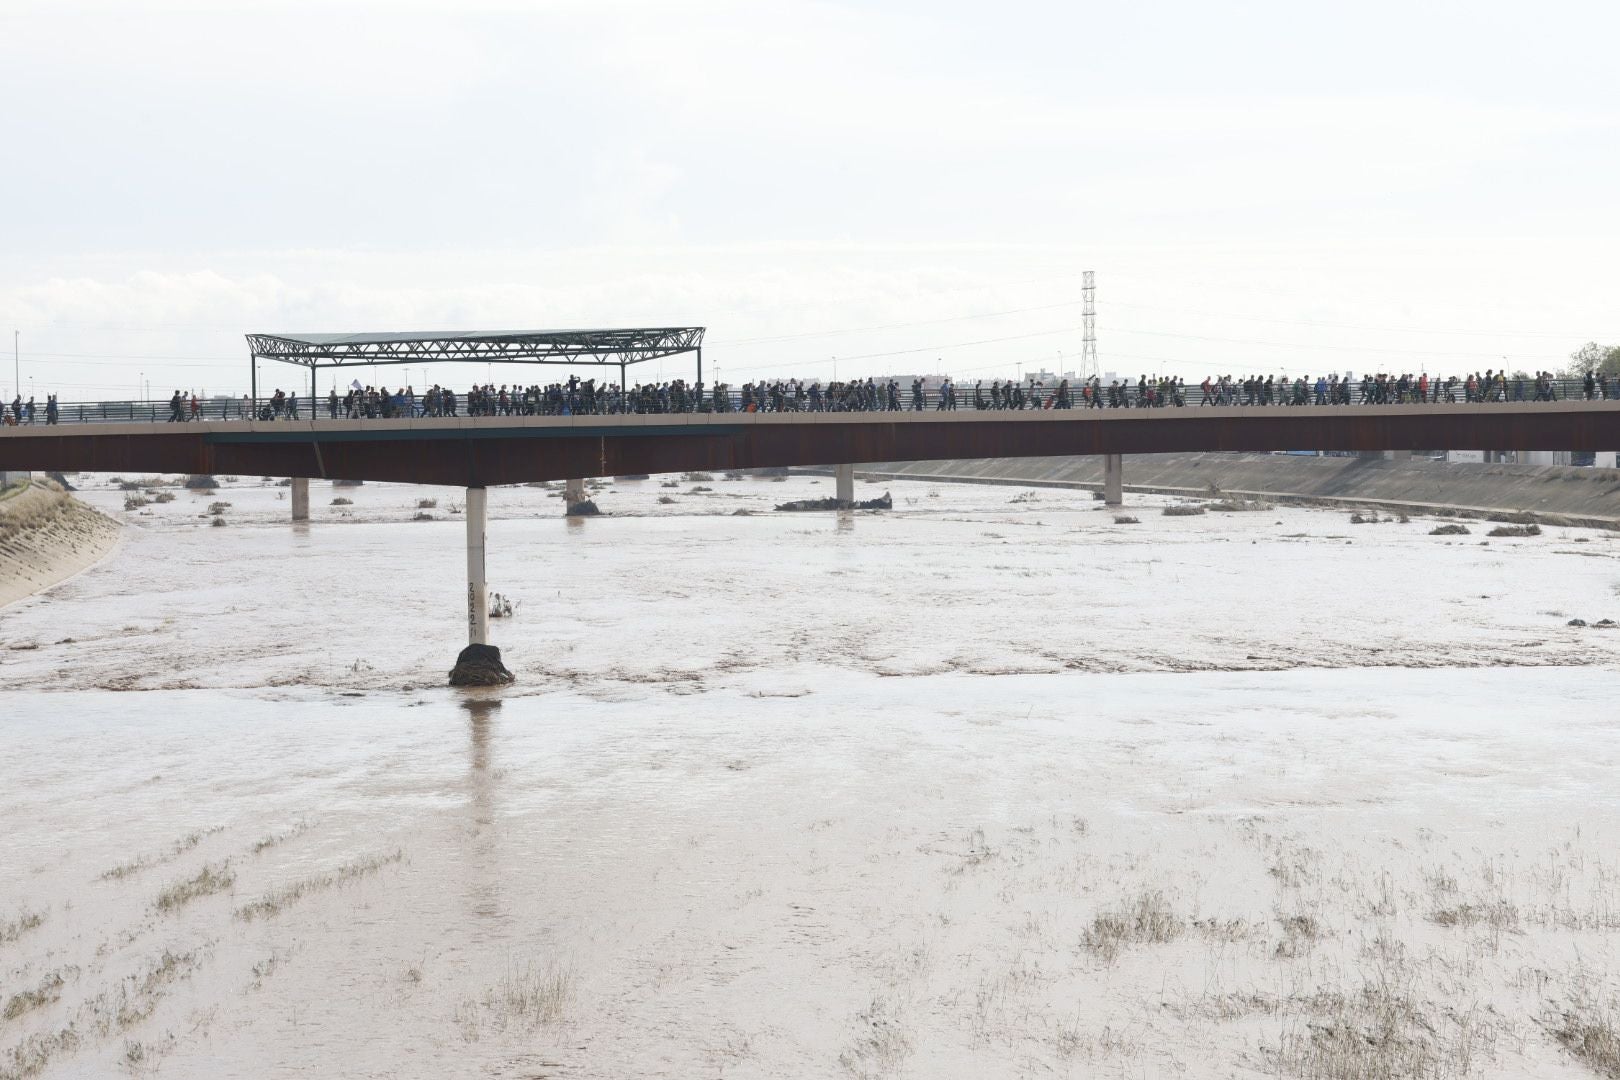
1580	496
46	536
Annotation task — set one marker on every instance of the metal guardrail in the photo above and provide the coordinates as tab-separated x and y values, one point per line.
850	399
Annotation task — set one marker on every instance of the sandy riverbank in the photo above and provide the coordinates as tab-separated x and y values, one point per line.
47	536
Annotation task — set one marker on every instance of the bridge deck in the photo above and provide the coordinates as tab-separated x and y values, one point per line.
477	451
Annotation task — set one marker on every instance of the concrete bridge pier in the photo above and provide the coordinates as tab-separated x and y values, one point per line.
844	481
1113	479
573	493
300	498
480	662
477	584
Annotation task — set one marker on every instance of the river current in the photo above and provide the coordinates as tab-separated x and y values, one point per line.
988	785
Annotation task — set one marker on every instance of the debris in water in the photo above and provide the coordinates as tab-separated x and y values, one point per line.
884	503
480	665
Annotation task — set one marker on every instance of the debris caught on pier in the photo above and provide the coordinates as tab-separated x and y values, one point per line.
588	508
883	503
480	665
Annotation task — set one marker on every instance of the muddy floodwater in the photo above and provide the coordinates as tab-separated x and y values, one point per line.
985	786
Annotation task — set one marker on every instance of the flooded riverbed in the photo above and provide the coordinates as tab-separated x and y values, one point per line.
987	786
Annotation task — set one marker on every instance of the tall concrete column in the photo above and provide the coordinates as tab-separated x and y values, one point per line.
477	585
1113	479
300	498
844	479
573	492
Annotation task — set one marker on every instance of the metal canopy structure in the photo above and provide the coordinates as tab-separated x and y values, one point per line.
623	347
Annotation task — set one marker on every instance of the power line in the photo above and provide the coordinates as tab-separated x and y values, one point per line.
1333	348
924	349
892	326
1346	326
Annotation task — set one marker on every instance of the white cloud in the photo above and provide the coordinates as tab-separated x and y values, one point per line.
178	173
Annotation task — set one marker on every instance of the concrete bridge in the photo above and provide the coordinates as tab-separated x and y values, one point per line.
479	452
490	450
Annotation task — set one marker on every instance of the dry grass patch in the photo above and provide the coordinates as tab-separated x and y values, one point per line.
881	1044
16	928
533	994
1592	1034
1515	530
1300	933
138	997
1125	519
31	1056
209	880
1146	920
1379	1034
265	843
1497	914
26	1001
1183	511
273	901
1449	530
143	862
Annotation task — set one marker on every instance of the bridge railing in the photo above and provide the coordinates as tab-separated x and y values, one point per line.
962	398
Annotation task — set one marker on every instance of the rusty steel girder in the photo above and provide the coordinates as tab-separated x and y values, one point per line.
485	451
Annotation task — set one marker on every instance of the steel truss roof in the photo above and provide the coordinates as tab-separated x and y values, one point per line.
622	346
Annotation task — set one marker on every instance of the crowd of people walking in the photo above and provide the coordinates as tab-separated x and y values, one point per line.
23	412
577	396
587	397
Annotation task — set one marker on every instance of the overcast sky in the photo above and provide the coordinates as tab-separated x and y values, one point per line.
1259	186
